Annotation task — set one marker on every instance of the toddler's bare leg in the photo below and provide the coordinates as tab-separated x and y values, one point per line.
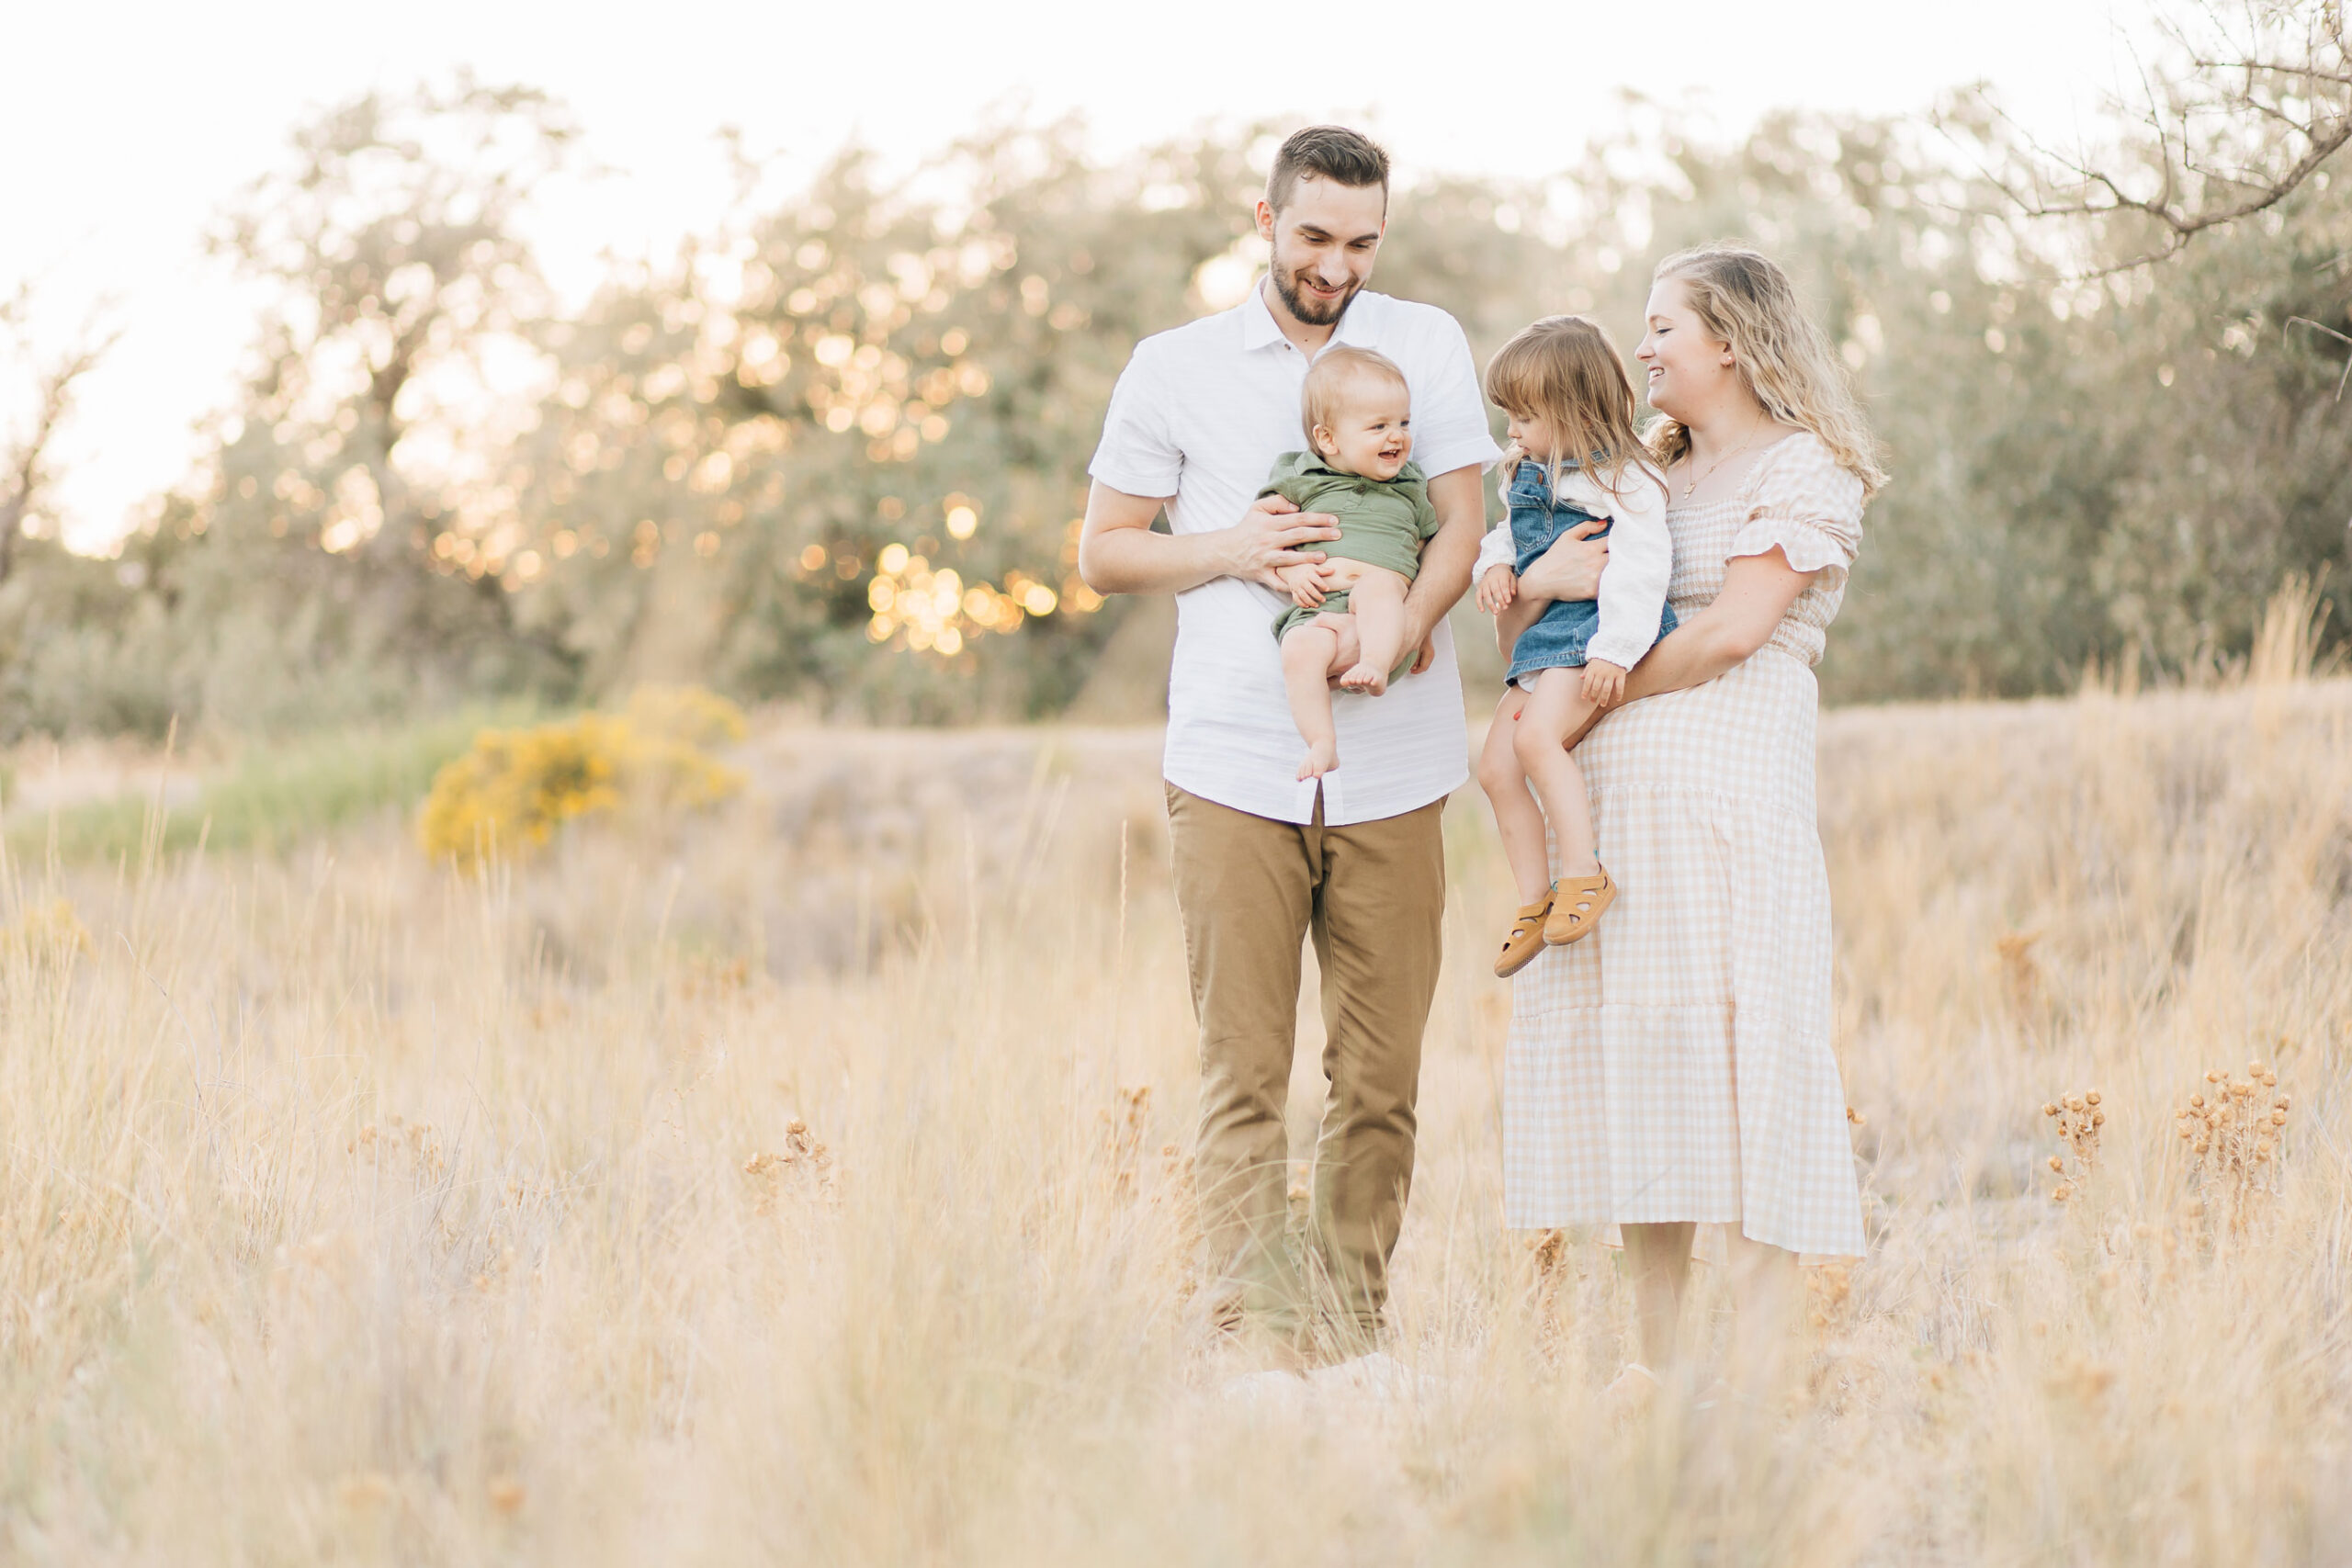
1517	820
1555	711
1377	602
1308	650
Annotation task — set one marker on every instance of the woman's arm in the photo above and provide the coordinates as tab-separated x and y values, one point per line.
1757	591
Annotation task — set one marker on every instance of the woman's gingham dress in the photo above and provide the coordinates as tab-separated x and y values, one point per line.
1676	1064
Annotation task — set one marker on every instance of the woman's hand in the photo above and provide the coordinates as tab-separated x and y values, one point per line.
1268	538
1571	567
1496	589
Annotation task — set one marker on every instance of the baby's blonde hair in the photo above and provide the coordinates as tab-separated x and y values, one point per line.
1743	299
1565	372
1336	370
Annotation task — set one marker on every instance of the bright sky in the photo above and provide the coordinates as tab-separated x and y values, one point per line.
128	126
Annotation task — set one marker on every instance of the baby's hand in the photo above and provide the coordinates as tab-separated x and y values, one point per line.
1604	683
1305	583
1497	589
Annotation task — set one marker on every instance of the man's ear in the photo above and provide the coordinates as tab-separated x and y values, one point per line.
1265	216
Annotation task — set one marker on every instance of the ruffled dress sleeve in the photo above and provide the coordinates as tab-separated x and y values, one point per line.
1811	508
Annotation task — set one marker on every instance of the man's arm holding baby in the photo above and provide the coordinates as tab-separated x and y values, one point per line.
1118	553
1446	560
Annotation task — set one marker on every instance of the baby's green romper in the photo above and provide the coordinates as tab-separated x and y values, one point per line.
1383	522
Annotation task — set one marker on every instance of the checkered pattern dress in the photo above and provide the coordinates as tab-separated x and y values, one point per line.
1676	1064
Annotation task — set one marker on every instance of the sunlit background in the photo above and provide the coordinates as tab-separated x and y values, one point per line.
136	124
527	356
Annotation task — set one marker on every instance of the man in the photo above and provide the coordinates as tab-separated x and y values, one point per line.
1261	858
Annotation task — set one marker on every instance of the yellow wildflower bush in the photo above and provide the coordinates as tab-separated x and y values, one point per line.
511	791
50	931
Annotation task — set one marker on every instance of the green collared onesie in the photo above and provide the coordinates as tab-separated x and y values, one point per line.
1383	522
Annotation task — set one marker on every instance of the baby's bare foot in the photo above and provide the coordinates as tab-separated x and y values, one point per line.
1369	678
1322	756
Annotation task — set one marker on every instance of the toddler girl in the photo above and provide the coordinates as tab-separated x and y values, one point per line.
1574	458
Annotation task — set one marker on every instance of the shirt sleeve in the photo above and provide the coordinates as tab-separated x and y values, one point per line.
1496	549
1139	453
1425	518
1449	427
1809	508
1641	564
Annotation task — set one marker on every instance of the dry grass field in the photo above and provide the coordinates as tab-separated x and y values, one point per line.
803	1183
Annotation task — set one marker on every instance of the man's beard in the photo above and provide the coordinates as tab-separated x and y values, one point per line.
1309	312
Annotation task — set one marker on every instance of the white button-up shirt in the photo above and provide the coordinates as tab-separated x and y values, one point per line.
1199	416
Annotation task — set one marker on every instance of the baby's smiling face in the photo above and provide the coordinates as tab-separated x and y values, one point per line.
1373	433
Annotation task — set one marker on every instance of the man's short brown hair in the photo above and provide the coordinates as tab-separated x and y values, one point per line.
1327	152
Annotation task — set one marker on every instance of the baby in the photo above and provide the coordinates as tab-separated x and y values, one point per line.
1575	458
1358	416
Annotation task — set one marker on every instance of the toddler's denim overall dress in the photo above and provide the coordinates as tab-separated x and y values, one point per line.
1557	638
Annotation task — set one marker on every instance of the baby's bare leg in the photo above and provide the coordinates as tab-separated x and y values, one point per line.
1518	820
1556	710
1377	602
1307	650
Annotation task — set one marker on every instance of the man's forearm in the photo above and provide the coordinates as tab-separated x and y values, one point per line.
1445	576
1136	561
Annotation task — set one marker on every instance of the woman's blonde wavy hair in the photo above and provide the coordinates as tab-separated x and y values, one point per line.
1565	372
1743	299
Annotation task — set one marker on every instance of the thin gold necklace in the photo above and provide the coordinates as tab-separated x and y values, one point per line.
1692	483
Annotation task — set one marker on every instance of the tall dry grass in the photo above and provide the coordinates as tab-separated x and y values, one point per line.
777	1189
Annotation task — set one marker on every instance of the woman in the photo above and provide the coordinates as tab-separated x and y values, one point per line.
1677	1069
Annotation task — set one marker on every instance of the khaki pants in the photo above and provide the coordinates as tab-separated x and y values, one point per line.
1373	895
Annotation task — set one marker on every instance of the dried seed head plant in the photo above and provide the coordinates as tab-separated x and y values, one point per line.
2232	1127
2077	1119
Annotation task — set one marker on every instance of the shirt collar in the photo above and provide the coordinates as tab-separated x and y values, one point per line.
1258	328
1258	331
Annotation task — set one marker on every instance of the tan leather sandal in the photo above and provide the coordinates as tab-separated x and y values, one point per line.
1526	939
1577	908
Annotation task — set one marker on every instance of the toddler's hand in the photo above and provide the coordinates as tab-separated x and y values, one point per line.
1604	683
1497	589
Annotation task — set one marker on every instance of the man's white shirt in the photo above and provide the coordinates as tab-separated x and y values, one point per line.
1199	416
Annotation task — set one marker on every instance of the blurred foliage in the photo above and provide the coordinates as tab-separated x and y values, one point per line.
514	788
271	796
835	452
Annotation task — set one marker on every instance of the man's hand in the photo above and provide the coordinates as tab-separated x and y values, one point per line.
1268	538
1304	582
1604	683
1496	589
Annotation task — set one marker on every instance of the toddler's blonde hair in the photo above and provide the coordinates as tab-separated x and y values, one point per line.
1565	372
1744	299
1333	375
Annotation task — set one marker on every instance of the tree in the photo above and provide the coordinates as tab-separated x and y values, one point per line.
2243	105
374	436
24	468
